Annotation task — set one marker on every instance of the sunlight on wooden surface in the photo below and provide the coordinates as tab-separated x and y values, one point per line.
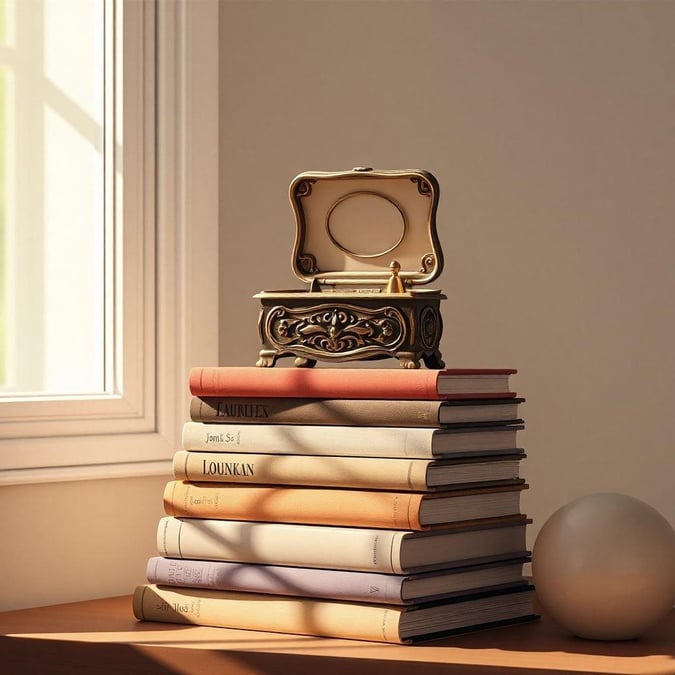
536	647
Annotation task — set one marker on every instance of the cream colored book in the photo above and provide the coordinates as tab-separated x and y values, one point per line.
347	548
421	443
331	471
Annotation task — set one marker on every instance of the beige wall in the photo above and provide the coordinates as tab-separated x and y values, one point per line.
550	128
62	542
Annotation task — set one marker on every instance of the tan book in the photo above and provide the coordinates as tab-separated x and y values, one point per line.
354	412
355	472
341	507
329	618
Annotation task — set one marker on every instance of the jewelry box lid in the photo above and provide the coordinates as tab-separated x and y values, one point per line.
356	227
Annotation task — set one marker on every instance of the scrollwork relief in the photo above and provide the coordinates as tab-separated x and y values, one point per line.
430	327
307	263
304	188
423	186
428	263
336	330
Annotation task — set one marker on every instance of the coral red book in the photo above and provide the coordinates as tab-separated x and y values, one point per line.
350	383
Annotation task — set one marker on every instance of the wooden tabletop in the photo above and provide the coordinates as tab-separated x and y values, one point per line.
102	636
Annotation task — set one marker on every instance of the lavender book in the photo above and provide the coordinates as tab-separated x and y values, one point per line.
335	584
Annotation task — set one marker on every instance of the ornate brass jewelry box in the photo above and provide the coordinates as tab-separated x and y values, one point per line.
365	242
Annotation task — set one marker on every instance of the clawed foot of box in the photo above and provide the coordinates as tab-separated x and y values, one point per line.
408	359
432	360
301	362
266	358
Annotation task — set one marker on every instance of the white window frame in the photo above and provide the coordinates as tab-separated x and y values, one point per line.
168	280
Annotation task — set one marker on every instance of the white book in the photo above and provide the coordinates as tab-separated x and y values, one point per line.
348	548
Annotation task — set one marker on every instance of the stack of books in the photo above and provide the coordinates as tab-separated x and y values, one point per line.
364	503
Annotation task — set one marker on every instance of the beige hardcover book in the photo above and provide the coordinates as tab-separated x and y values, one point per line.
331	471
353	412
420	443
349	548
327	618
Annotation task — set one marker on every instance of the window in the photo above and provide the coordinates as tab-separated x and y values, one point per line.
145	172
54	94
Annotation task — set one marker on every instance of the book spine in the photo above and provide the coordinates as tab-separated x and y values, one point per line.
277	580
349	383
354	472
313	383
304	505
307	439
345	548
340	412
255	611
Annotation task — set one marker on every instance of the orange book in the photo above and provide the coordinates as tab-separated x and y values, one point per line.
350	383
341	507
